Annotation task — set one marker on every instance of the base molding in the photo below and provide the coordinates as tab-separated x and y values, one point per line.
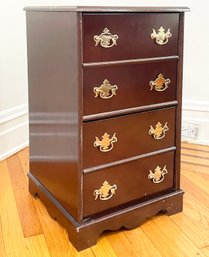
13	130
84	235
196	113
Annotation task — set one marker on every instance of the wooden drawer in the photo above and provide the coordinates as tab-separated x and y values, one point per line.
134	35
129	181
129	86
131	133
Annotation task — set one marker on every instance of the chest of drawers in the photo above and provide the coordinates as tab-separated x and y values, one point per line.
105	115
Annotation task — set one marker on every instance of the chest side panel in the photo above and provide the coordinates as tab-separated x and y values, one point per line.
54	105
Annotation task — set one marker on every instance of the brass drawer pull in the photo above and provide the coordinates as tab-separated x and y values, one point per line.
106	90
160	83
106	144
106	39
105	192
161	38
159	131
158	175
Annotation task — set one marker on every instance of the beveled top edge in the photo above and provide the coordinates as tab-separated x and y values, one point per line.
107	8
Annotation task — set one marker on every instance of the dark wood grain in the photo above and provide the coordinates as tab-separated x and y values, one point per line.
133	86
131	61
128	189
54	109
86	234
127	160
134	32
132	134
125	111
179	99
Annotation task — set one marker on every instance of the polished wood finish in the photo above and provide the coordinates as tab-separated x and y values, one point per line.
133	86
132	61
107	8
130	159
85	235
65	166
179	99
53	71
190	227
132	132
128	189
128	111
134	32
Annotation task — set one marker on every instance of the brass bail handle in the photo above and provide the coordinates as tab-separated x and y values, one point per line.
158	175
106	143
160	83
105	90
161	37
105	192
106	39
159	131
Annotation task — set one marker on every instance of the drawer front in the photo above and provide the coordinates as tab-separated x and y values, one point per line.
113	88
130	135
124	183
129	36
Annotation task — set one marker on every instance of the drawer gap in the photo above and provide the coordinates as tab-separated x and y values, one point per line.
125	112
130	62
130	159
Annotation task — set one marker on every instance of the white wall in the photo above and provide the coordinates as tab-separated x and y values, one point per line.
13	66
13	80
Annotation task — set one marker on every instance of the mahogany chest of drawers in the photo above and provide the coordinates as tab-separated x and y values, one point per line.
105	115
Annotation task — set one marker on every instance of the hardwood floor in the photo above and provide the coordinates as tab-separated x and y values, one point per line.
26	230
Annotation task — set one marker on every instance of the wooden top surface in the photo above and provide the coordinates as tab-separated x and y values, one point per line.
106	9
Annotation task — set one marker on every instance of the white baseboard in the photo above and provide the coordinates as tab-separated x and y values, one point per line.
197	106
13	113
13	130
197	112
14	150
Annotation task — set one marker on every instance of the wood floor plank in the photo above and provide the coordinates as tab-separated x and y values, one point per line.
11	227
204	175
194	160
2	247
103	248
195	153
142	244
194	167
37	246
28	216
181	241
193	223
165	246
197	179
205	250
197	192
24	159
192	230
195	146
85	253
56	236
196	210
120	244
